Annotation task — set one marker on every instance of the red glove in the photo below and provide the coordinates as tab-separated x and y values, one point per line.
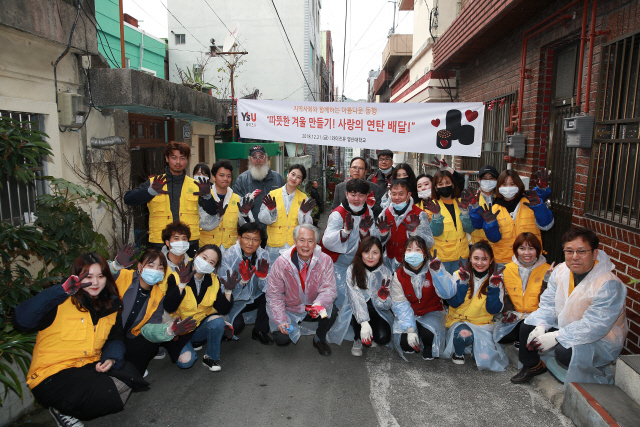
496	278
231	281
204	187
181	327
463	274
383	292
157	184
543	178
411	222
371	200
486	213
508	317
534	199
431	206
382	225
435	263
74	283
365	224
263	268
185	273
307	205
125	256
316	311
468	199
246	271
269	202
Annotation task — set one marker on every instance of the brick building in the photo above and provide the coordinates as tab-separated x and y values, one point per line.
573	65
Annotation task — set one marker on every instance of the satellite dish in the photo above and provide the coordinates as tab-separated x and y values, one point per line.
232	39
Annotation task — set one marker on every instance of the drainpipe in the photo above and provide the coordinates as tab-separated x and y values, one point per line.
583	40
141	48
592	35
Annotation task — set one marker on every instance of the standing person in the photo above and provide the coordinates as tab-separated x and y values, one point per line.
358	170
382	177
470	319
315	195
368	283
248	261
283	209
173	196
255	183
221	229
417	289
514	211
525	279
424	185
301	287
402	219
581	315
487	180
196	294
450	220
176	243
78	360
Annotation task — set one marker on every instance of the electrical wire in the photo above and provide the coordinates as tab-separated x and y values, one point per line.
62	55
294	52
344	46
174	17
225	25
101	34
285	44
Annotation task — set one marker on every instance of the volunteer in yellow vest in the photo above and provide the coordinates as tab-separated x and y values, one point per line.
487	180
142	292
196	293
283	209
525	278
173	196
450	221
176	243
220	229
470	319
79	353
581	316
514	211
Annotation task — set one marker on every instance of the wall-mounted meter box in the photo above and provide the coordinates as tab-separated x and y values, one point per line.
71	109
517	146
579	131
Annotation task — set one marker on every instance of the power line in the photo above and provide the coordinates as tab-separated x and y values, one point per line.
294	52
365	32
285	45
225	25
174	17
344	46
101	34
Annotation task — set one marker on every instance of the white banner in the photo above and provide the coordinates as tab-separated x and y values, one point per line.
435	128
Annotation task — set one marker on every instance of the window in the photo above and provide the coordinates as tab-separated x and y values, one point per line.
613	192
18	200
180	39
145	131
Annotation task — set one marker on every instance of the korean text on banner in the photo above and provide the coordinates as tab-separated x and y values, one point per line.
435	128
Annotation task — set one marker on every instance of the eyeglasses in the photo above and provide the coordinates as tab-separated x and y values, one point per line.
250	240
581	253
384	159
260	157
356	168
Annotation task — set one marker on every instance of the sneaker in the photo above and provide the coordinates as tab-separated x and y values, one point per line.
427	356
458	360
146	372
356	350
526	374
161	354
213	365
64	420
197	348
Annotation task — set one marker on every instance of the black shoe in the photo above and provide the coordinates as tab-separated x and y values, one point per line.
323	347
526	374
212	365
262	337
64	420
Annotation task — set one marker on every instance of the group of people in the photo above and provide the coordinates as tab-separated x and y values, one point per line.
418	264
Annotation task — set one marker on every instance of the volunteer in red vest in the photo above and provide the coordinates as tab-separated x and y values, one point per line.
514	211
78	368
405	172
221	229
478	298
283	209
525	278
417	301
301	288
581	315
401	220
487	180
173	196
382	177
450	220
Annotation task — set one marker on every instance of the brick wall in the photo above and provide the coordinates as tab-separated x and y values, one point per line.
496	72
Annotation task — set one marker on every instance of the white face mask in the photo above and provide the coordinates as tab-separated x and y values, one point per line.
199	177
386	171
355	208
487	185
202	266
179	248
508	192
425	194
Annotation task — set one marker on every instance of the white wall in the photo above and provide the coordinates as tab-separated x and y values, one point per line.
270	65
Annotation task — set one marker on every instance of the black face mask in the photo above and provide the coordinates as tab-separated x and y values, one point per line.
445	191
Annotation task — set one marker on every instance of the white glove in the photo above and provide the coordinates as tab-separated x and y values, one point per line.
366	333
182	286
413	340
539	330
545	342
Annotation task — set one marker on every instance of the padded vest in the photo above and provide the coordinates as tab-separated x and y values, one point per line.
430	301
510	229
527	303
281	231
398	237
479	234
189	306
472	310
452	244
160	211
155	296
225	234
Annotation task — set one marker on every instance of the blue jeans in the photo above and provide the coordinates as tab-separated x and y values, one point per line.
452	266
211	331
460	342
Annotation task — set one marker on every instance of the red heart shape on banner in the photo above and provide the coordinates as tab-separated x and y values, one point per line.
444	142
471	115
435	122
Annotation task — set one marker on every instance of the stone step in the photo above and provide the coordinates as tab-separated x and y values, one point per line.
600	405
628	376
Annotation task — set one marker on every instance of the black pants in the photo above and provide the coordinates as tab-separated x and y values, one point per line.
83	393
380	328
530	359
262	318
427	341
323	327
140	351
514	335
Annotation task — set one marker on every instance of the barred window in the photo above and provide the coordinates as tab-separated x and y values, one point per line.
17	199
613	192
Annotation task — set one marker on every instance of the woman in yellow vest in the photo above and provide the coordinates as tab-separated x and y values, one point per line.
283	209
220	229
471	311
450	221
487	181
198	294
514	211
525	279
79	345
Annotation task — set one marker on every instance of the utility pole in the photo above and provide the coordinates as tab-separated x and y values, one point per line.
393	26
122	55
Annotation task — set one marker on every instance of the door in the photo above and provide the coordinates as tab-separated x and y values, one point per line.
201	156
